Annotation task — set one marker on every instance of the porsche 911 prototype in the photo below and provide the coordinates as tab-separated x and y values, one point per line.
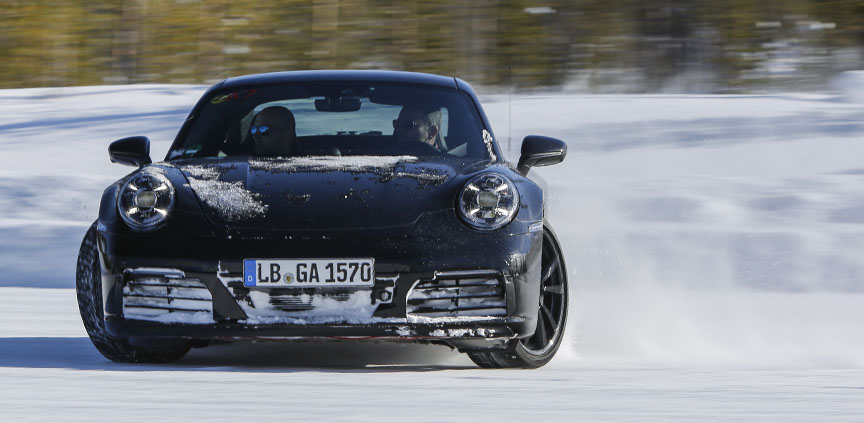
344	205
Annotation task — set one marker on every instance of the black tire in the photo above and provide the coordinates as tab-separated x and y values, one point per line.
88	286
538	349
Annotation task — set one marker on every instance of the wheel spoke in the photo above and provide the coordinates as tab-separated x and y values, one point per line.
555	289
550	270
549	316
541	331
553	299
533	342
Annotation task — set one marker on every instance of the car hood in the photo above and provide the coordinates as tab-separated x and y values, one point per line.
319	193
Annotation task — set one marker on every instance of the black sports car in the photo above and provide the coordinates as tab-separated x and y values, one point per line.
327	205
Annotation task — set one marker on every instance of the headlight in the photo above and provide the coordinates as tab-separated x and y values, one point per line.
145	201
488	201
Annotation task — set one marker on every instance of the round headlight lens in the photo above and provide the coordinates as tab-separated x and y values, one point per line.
488	201
145	201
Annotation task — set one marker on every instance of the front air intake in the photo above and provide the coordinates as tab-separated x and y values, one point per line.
161	295
457	294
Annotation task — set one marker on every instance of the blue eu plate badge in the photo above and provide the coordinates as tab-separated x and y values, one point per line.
249	278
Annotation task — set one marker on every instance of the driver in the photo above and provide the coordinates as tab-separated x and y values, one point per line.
420	125
273	131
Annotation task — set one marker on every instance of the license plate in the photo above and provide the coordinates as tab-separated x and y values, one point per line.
308	272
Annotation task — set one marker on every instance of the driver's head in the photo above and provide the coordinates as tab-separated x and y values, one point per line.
418	124
273	130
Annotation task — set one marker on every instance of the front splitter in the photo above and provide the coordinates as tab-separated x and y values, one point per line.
491	330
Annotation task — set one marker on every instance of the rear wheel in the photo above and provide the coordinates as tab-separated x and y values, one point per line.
88	285
538	349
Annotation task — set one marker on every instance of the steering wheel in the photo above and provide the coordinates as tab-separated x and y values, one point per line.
421	149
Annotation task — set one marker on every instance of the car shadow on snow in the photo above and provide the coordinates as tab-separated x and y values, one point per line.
344	356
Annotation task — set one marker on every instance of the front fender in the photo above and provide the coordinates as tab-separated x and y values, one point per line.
187	218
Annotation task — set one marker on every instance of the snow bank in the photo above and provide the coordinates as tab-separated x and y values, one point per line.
850	85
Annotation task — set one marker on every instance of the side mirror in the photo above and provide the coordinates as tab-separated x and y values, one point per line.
540	151
132	151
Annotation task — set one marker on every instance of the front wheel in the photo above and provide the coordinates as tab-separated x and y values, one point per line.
538	349
88	286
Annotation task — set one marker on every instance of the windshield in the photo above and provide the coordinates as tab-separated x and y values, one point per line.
333	118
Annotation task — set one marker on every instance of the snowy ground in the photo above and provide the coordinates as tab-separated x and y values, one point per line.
714	245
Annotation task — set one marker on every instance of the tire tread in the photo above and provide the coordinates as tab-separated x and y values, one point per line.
88	287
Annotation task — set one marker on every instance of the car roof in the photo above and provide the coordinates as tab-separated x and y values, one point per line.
341	75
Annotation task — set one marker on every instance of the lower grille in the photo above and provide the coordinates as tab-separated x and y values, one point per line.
293	300
310	305
455	294
146	294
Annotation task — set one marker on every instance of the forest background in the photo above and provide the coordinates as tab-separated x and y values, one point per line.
591	46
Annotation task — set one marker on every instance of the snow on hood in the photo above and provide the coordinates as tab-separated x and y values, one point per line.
327	163
229	199
384	165
321	192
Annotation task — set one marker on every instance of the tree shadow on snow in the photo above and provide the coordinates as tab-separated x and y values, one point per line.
285	357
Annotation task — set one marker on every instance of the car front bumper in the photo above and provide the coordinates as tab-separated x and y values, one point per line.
201	295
